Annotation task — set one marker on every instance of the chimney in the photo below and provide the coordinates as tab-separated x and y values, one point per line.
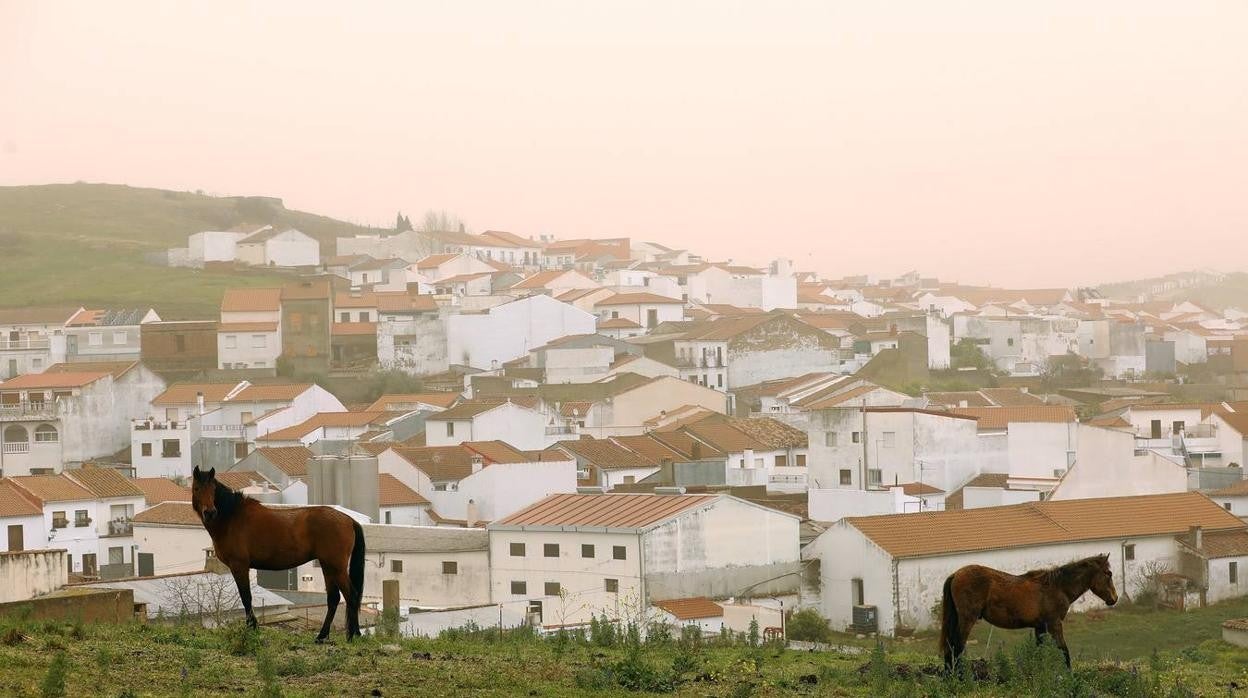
669	491
199	401
477	464
1196	537
471	517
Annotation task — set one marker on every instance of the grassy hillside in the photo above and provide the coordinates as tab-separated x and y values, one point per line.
1230	292
1168	653
84	244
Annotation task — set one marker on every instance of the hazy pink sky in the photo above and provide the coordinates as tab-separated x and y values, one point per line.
1003	141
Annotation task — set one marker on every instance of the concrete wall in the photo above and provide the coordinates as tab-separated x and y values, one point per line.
81	605
292	248
348	481
1106	466
509	331
174	549
415	344
250	349
519	426
1219	579
31	573
1040	449
421	583
34	531
501	489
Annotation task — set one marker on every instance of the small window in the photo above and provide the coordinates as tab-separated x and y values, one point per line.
719	380
81	519
1232	571
619	552
829	439
396	566
387	517
1227	506
519	588
801	460
875	476
551	588
450	428
145	449
363	316
231	341
59	520
587	550
550	550
450	567
95	339
119	338
170	448
258	341
781	461
611	585
890	439
847	477
344	317
856	437
1009	341
1128	551
517	549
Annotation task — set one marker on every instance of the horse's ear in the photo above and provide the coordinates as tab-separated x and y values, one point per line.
212	472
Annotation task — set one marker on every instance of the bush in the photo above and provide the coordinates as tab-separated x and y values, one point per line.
808	625
53	684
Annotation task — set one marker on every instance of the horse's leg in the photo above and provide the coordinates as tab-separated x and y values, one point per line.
1059	635
331	606
242	578
1040	633
343	580
966	623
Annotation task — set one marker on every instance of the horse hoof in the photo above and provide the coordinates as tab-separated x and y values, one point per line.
320	640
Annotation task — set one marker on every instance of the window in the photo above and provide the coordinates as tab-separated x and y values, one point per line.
1128	551
46	433
875	476
231	341
856	437
1227	506
890	439
145	449
719	380
387	517
258	341
619	552
1009	342
1232	571
119	338
95	339
244	417
801	460
396	566
363	316
550	588
611	585
59	520
170	448
81	519
587	550
550	550
781	461
517	549
240	449
856	592
344	317
519	588
450	567
847	477
116	555
450	428
829	439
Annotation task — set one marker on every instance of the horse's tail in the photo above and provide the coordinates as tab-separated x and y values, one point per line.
950	634
356	569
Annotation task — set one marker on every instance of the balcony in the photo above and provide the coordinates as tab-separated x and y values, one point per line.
44	409
153	425
560	430
120	527
16	447
24	344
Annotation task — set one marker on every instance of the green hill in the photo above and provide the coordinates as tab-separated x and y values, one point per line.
86	244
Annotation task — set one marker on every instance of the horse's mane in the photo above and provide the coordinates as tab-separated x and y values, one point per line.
227	500
1061	574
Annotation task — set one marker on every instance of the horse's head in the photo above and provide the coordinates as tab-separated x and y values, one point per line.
1102	582
204	493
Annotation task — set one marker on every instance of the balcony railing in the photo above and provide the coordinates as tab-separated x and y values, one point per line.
152	425
560	430
19	344
120	527
44	409
17	447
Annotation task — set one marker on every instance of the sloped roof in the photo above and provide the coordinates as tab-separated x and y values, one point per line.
542	278
354	329
16	502
627	511
396	401
404	302
435	260
769	433
918	489
251	300
105	482
238	479
725	328
35	381
692	608
162	489
440	463
1042	523
355	299
815	402
639	298
723	437
497	451
618	323
393	493
274	392
116	368
113	317
37	316
649	448
1001	417
169	514
465	410
53	488
291	460
247	327
185	393
604	454
323	419
307	289
1011	397
1215	544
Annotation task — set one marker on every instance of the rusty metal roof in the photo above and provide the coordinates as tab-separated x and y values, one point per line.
627	511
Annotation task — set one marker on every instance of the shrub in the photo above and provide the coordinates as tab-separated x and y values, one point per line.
809	626
53	684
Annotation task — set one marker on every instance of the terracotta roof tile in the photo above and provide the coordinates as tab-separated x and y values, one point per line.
397	402
1216	544
649	448
497	451
169	514
251	300
403	302
185	393
917	489
440	463
619	323
354	329
53	488
273	392
640	298
321	420
606	510
435	260
291	460
247	327
465	410
1001	417
117	368
36	316
355	299
692	608
15	501
1042	523
162	489
604	454
239	479
36	381
105	482
393	493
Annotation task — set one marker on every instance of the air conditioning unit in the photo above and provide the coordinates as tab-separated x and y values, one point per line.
866	619
306	578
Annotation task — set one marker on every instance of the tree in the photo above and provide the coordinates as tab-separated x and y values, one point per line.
808	625
967	354
207	597
402	223
438	221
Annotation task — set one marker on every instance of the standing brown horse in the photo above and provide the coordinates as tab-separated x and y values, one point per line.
246	534
1038	599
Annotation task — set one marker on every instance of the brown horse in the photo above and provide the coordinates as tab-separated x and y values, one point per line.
246	534
1038	599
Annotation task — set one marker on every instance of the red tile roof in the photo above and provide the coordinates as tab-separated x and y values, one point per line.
272	392
393	493
291	460
162	489
627	511
1002	417
694	608
361	329
251	300
398	402
321	420
35	381
238	479
52	488
105	482
169	514
639	299
185	393
247	327
15	501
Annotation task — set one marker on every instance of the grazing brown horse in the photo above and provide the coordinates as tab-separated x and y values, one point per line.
246	534
1038	599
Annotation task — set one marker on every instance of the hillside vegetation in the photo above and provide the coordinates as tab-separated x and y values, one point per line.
85	244
1170	654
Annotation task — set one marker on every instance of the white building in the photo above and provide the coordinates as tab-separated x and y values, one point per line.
505	421
32	339
249	334
106	335
271	247
572	556
897	564
645	309
71	517
508	331
21	518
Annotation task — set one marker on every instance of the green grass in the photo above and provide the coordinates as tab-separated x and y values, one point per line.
1162	653
84	244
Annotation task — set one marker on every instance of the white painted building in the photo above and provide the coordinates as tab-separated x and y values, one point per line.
644	308
21	519
506	421
32	339
897	564
272	247
508	331
573	556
